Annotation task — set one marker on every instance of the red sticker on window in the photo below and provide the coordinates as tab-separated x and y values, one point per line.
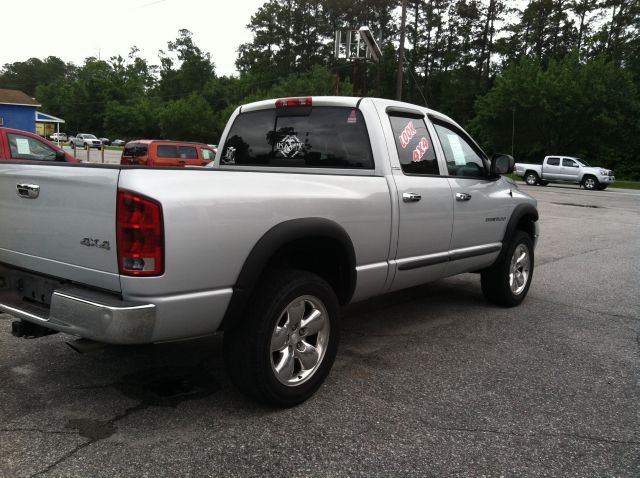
408	133
422	147
352	117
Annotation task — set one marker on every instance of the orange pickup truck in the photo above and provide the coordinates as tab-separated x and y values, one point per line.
151	152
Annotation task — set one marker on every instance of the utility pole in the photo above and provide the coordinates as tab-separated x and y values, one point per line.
401	59
513	126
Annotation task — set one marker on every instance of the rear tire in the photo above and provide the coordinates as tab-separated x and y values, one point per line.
284	346
507	282
531	178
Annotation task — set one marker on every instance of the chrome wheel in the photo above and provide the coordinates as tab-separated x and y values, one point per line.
519	269
589	183
299	340
531	179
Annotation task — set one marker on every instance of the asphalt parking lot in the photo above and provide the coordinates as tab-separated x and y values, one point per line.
430	381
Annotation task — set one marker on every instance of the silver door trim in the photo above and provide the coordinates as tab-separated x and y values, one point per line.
409	263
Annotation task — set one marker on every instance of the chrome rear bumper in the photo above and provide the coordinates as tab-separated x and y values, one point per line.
83	312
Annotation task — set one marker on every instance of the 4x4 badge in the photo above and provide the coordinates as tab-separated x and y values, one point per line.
96	243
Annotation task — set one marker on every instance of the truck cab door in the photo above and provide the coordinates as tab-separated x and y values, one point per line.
552	170
481	205
424	201
570	170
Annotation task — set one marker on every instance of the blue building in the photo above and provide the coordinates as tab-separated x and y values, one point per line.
18	110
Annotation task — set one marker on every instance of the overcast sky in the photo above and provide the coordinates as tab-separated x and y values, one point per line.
75	29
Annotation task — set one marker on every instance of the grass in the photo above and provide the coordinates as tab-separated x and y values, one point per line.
626	184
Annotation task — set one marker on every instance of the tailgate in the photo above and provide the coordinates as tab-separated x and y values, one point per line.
60	221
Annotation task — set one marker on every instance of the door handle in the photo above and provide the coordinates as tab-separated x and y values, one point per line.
411	197
29	191
463	196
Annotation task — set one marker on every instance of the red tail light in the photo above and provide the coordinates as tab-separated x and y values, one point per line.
140	235
299	101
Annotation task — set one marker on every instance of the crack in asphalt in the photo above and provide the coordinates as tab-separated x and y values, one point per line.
152	387
37	430
532	435
112	421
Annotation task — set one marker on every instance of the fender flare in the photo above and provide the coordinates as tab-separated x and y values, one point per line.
519	212
270	243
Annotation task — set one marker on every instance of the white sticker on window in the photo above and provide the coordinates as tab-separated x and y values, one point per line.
23	146
289	146
456	149
230	155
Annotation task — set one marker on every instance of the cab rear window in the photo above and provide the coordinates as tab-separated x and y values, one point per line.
327	137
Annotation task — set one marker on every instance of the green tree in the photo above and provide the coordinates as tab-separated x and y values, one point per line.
187	119
28	75
186	69
588	110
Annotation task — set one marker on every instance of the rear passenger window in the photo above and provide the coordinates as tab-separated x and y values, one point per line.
414	146
327	137
553	162
175	151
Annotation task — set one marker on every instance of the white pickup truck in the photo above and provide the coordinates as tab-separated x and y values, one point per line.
311	203
565	169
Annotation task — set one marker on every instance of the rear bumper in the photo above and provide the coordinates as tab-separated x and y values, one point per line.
94	315
107	317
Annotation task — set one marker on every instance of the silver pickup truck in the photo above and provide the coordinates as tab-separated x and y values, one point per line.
565	169
311	204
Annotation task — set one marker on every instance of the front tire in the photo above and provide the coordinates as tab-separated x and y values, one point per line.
531	178
507	282
590	183
283	348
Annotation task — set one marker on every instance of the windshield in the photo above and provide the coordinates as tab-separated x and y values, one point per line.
583	162
89	136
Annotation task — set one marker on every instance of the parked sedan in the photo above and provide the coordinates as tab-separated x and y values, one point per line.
105	141
118	142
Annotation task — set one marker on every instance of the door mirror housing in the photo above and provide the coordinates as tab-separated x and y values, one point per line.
502	164
60	156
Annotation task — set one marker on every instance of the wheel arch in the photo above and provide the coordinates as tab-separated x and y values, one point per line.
523	218
316	244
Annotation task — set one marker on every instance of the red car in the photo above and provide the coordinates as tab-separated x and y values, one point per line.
18	144
156	152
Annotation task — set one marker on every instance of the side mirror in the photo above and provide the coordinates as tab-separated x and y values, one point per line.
60	156
502	164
